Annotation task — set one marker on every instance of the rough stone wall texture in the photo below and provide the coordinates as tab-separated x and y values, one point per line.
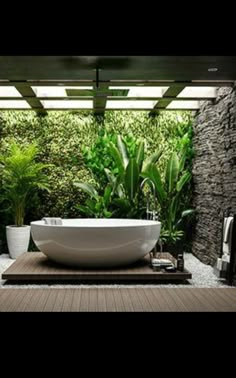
214	172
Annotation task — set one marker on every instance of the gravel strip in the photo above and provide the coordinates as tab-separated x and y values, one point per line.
202	276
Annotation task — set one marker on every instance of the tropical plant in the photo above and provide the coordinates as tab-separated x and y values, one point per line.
97	206
170	192
122	196
21	176
130	200
97	157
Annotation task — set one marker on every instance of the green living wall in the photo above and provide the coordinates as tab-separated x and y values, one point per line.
62	136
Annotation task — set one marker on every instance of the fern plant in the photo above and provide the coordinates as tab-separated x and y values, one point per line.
21	176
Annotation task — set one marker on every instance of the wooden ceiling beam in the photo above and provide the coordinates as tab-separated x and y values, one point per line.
170	95
100	99
28	95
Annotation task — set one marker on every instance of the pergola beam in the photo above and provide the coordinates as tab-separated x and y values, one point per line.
170	95
28	95
100	99
101	92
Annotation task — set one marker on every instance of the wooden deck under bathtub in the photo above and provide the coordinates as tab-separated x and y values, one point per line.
35	266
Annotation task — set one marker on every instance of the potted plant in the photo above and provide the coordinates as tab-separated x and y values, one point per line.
21	176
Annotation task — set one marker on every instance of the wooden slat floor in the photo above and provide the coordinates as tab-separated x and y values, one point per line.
118	300
36	266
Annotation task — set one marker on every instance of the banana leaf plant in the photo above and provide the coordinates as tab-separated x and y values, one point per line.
97	206
123	196
170	195
129	198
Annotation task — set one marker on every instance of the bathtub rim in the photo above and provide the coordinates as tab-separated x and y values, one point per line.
143	223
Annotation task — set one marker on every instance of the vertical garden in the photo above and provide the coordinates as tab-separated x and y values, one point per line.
95	166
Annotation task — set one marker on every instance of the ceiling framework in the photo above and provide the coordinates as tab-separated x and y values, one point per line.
102	83
101	98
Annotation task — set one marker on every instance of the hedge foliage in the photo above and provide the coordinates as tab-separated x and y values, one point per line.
63	136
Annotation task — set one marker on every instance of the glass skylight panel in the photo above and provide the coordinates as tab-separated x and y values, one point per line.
120	104
183	105
55	91
207	92
143	91
73	104
14	104
6	91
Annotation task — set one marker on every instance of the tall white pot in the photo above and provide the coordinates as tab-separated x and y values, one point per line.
17	240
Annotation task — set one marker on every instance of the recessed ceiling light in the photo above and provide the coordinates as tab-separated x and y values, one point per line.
212	69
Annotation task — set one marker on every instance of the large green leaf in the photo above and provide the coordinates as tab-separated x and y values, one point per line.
123	151
172	171
123	204
92	205
110	177
88	188
132	178
182	160
188	212
140	154
107	195
151	160
115	153
183	180
85	209
115	183
184	214
119	188
107	214
123	207
173	208
154	174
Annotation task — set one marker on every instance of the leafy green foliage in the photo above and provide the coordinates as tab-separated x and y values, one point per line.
21	177
59	137
97	206
97	156
65	139
170	193
126	197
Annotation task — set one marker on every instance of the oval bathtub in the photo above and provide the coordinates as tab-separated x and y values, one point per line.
96	242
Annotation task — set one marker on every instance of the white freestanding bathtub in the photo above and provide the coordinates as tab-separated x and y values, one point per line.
96	242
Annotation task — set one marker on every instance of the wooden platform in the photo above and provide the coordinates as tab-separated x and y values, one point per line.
35	266
118	300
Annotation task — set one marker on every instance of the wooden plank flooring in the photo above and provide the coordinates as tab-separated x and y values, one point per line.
118	300
36	266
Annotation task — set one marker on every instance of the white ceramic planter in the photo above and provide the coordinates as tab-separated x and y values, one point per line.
17	240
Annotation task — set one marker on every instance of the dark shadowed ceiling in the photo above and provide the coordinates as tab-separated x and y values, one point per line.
99	73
